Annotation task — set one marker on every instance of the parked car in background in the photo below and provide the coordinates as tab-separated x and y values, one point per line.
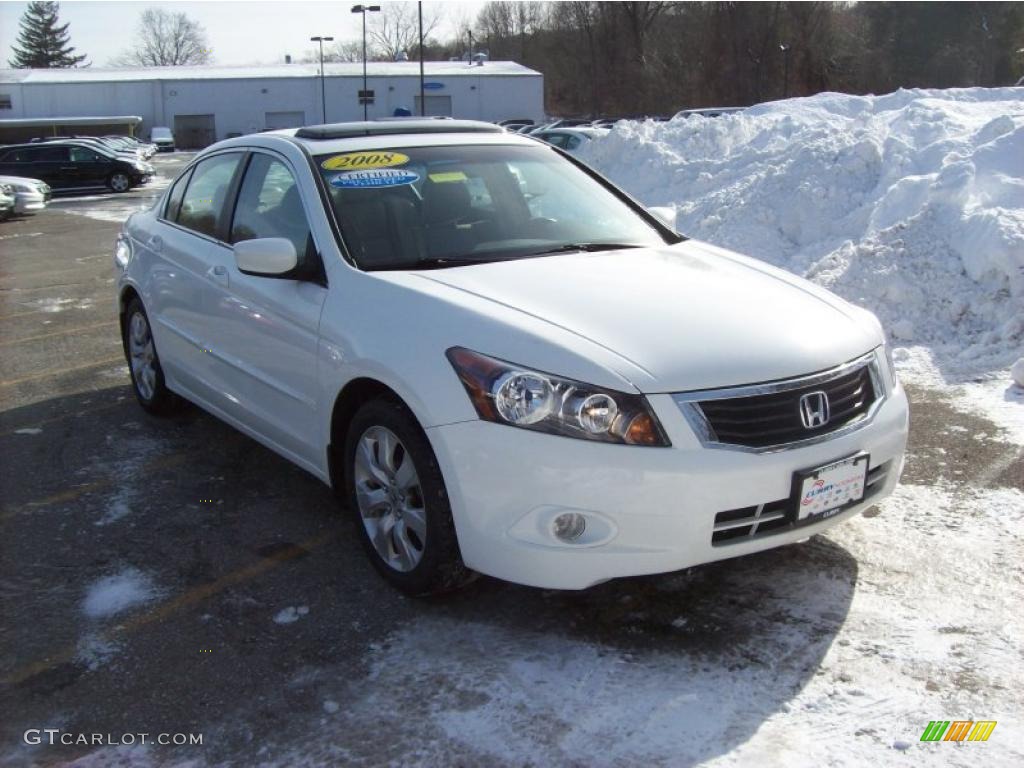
7	202
569	139
502	361
520	121
31	195
73	165
147	149
102	144
163	138
706	112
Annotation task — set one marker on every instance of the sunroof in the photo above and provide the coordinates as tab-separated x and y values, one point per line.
392	127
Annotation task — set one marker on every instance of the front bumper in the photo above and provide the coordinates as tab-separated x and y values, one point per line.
654	508
30	202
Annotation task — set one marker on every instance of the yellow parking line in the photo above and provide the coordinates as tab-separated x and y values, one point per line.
75	415
67	332
189	598
70	494
61	371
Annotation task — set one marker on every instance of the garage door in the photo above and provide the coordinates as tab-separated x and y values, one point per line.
436	105
275	120
194	131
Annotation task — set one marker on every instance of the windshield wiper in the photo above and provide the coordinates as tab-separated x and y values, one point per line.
439	262
586	248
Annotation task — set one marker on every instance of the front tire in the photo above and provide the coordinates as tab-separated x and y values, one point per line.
399	502
144	364
119	182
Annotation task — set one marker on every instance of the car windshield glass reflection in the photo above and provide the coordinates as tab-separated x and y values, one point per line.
427	207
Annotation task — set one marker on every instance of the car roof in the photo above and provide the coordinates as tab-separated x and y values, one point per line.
389	133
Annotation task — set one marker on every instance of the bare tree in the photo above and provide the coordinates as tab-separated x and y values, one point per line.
344	51
396	29
167	39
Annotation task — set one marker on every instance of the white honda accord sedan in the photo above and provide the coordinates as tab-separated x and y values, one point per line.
505	363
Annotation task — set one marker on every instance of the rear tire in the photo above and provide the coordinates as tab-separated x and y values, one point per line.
144	364
399	503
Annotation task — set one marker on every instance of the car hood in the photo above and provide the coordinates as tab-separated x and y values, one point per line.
689	316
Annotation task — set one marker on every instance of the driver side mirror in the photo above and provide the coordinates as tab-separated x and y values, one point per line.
665	215
266	256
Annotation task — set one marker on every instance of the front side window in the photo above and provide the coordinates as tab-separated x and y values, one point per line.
269	205
202	206
430	207
83	155
175	196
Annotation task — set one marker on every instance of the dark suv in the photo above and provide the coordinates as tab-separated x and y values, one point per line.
71	166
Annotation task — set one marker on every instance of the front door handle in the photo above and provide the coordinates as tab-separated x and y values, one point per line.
219	274
156	243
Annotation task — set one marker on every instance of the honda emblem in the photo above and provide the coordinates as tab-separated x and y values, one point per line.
814	409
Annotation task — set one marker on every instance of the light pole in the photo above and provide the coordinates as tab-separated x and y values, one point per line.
423	97
363	9
323	88
785	77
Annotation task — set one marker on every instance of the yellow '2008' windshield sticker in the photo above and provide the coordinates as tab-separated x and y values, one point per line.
364	161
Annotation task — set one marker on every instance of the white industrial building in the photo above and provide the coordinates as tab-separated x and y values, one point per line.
203	104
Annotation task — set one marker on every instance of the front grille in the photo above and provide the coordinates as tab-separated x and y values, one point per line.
766	420
737	525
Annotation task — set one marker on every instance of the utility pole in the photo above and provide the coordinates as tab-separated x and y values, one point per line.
323	87
363	9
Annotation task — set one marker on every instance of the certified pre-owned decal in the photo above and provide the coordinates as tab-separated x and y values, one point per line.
380	177
353	161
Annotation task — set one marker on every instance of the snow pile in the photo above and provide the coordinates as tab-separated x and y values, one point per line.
911	204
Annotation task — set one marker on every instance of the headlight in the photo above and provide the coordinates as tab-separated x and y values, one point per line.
122	251
521	397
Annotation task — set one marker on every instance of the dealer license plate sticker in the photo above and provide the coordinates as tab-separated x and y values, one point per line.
831	487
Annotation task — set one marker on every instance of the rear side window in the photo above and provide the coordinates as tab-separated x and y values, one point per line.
202	205
15	156
50	155
269	205
174	198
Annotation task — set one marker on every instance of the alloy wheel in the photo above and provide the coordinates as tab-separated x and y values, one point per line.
390	498
142	355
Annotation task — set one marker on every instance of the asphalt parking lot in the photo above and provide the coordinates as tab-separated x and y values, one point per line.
176	577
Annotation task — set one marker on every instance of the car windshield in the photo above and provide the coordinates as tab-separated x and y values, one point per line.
435	207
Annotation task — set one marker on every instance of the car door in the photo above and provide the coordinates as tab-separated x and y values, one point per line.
52	164
90	168
265	330
186	243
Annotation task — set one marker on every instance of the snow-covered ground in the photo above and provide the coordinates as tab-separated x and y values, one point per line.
910	204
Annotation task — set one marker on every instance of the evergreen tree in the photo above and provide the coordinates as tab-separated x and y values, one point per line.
42	43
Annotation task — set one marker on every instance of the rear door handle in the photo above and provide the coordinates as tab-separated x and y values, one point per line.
156	243
219	274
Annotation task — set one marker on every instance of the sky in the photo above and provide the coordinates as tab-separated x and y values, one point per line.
239	32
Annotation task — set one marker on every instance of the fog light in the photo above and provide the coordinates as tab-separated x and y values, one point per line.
569	526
